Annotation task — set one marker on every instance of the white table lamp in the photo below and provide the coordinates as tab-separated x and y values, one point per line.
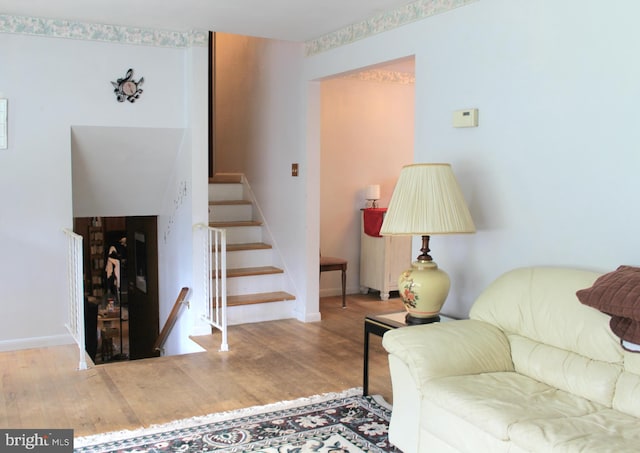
427	200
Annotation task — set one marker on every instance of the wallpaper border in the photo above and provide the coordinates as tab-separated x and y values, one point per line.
382	22
58	28
382	76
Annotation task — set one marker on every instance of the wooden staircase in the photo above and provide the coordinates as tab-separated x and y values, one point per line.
252	277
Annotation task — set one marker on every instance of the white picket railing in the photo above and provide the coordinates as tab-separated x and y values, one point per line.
215	281
75	317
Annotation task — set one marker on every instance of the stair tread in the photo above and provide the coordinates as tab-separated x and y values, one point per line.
246	271
229	202
258	298
235	223
247	246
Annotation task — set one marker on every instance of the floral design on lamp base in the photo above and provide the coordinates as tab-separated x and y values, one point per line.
409	296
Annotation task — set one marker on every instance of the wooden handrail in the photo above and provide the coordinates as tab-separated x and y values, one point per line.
171	320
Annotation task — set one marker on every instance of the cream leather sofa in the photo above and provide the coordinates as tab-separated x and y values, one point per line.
532	370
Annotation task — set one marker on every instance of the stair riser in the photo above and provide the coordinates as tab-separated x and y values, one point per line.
255	284
242	235
229	213
260	312
249	258
225	192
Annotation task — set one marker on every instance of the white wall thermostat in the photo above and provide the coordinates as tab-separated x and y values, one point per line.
465	118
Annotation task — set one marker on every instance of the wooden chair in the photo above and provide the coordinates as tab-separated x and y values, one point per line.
330	263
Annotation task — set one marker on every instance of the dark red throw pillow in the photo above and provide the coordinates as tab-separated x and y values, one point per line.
626	328
617	294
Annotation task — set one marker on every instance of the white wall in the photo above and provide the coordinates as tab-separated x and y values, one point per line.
550	173
367	136
197	101
237	79
52	85
181	252
174	259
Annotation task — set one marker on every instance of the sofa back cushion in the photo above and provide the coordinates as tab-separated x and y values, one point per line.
566	370
553	336
627	397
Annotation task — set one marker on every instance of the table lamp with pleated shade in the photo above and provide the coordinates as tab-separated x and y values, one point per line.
426	201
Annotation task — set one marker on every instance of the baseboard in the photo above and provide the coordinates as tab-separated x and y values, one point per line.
200	329
35	342
311	317
337	291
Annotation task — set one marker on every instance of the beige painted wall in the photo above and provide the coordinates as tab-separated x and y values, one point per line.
237	72
367	133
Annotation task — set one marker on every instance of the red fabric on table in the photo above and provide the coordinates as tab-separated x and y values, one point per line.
373	218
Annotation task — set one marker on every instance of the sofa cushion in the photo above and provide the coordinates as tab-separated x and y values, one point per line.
495	401
540	303
627	397
602	431
566	370
443	431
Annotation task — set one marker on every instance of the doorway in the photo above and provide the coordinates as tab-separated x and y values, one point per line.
120	315
144	317
366	124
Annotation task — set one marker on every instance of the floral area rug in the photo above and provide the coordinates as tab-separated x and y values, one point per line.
328	423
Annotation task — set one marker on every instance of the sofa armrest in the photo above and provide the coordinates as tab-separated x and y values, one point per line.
450	349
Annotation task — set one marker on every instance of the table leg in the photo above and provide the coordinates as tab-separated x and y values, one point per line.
344	288
365	377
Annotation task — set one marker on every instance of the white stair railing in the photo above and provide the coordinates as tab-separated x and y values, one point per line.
215	281
75	319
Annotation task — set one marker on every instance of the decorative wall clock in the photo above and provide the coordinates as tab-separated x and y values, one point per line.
127	88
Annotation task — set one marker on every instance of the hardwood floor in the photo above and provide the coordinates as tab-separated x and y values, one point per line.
267	362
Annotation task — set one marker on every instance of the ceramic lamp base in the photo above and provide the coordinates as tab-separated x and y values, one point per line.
423	290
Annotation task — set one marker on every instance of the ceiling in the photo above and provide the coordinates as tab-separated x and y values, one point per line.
291	20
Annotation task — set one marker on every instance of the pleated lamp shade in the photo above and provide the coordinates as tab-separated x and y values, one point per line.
427	200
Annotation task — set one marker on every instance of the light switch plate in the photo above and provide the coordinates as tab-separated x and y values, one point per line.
465	118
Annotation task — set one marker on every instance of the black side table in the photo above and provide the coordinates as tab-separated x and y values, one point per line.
378	324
